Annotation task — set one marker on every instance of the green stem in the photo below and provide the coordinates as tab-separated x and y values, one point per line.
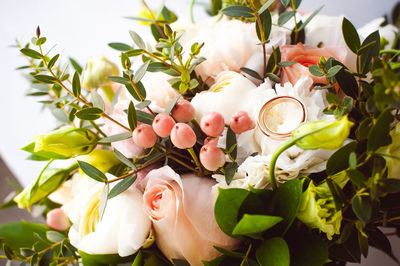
196	160
191	11
296	29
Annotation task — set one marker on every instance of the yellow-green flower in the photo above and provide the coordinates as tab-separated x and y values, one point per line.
329	135
67	141
97	72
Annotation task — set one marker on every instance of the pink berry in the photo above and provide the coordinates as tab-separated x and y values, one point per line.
57	220
241	122
183	136
212	157
212	124
144	136
163	124
183	111
211	141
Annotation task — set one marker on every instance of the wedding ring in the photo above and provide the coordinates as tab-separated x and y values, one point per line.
280	116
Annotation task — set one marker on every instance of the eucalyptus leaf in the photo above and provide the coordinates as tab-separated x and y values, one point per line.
141	71
144	117
54	236
143	104
92	171
251	73
137	40
121	80
117	137
230	170
237	11
266	6
89	113
31	53
123	159
121	186
231	141
120	46
46	78
132	118
75	65
266	24
103	201
285	17
171	104
97	100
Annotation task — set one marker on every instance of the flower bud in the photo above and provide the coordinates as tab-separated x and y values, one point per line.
329	135
57	219
44	185
67	141
97	72
101	159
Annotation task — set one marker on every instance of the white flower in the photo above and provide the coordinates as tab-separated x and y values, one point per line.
123	228
388	31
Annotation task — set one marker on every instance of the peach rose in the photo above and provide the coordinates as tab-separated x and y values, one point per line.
182	212
306	55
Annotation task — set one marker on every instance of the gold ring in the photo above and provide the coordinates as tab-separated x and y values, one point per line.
266	109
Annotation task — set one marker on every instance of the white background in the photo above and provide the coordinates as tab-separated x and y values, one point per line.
82	29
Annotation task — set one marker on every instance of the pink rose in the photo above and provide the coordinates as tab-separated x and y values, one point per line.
306	55
182	212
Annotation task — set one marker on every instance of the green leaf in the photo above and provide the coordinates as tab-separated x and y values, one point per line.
132	119
144	117
117	137
121	186
337	193
286	63
332	98
31	53
103	259
143	104
41	41
231	141
42	154
310	18
287	203
140	88
315	70
378	240
372	42
237	11
53	61
157	66
378	135
171	104
307	249
273	252
121	80
230	170
254	224
339	161
96	99
123	159
357	178
285	2
76	65
137	40
89	113
353	160
266	24
134	52
103	200
227	207
141	71
333	71
54	236
138	259
120	46
350	36
92	171
285	17
362	208
154	31
76	84
251	73
45	79
346	81
38	93
390	185
22	234
266	6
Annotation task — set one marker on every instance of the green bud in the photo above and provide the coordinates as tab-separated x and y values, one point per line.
392	153
329	135
43	186
67	141
97	72
101	159
317	207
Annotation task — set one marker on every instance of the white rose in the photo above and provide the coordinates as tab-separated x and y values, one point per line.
388	31
123	228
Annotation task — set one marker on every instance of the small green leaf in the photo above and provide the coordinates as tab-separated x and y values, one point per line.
137	40
89	113
254	224
157	66
97	101
121	80
76	84
54	236
266	6
273	252
378	135
251	73
143	104
350	35
346	81
357	178
53	61
134	52
333	71
332	98
76	65
353	160
313	14
266	24
237	11
141	71
287	63
230	170
92	171
144	117
273	77
117	137
315	70
285	17
132	118
123	159
103	200
231	141
171	104
31	53
362	208
140	89
120	46
121	186
45	79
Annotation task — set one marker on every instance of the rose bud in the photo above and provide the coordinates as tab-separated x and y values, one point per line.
67	142
183	136
212	124
211	141
212	157
163	124
144	136
57	219
183	111
241	122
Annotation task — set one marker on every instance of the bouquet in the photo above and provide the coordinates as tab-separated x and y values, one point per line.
266	135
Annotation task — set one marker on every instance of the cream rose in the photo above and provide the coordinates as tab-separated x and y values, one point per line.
182	212
122	230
